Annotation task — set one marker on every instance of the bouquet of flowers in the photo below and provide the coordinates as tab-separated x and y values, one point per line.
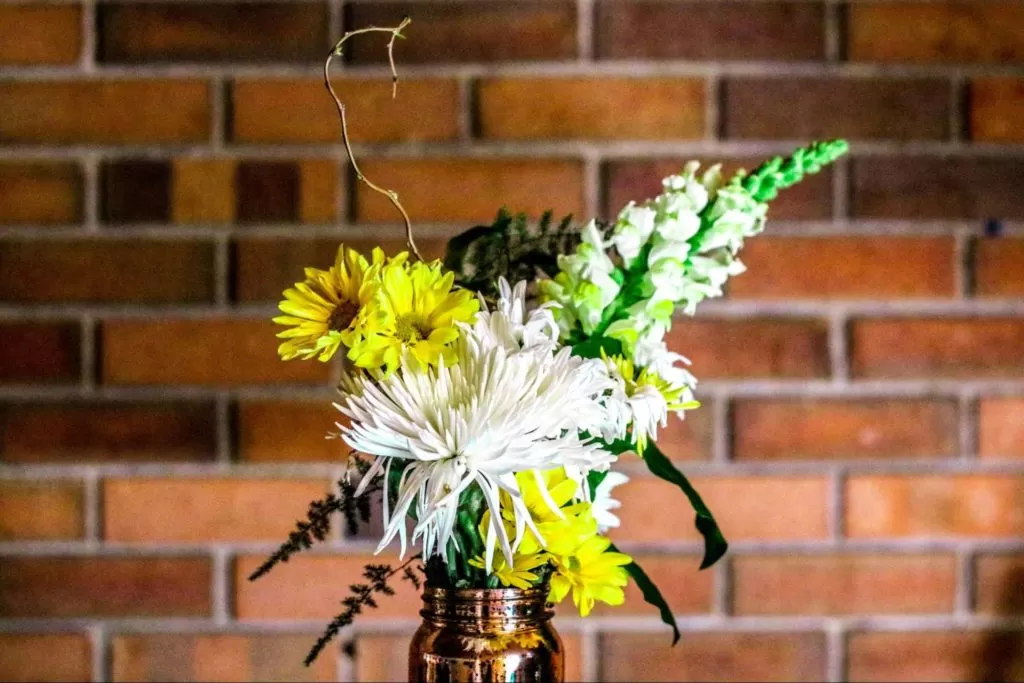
487	398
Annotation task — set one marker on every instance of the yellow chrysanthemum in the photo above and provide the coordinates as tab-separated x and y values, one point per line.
416	314
591	573
519	575
327	309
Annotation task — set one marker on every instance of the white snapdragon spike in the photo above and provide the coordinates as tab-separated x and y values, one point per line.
505	407
603	503
587	277
632	230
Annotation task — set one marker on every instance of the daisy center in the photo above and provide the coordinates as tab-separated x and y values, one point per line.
411	327
343	315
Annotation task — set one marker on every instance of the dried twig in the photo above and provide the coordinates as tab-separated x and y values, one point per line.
336	51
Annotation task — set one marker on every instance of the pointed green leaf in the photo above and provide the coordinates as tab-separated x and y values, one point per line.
651	595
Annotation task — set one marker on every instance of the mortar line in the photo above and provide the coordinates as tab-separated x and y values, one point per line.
835	638
89	27
585	38
220	585
833	32
592	190
223	426
100	641
88	353
92	509
90	197
836	505
722	588
964	598
222	275
590	648
838	347
957	121
841	189
466	112
714	122
967	426
218	111
721	428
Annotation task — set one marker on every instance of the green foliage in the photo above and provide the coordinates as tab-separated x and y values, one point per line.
511	248
652	596
776	174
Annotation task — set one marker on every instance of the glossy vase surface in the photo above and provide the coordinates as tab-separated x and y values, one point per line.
502	634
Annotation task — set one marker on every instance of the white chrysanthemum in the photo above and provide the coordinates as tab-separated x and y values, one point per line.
603	503
515	401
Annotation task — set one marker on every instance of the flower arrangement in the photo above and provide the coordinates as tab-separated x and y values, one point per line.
487	398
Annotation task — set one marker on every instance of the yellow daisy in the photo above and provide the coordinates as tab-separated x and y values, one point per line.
329	308
417	312
591	573
520	574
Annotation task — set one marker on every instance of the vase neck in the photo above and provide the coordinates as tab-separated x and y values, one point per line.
486	610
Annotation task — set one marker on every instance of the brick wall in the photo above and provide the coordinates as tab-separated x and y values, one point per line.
166	169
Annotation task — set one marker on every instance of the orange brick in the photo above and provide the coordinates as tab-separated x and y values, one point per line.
687	590
105	587
904	109
725	349
107	271
592	107
67	658
934	505
464	31
843	430
844	584
40	511
289	431
964	347
746	508
936	656
70	112
846	268
189	510
202	191
107	432
709	656
469	190
36	192
996	108
312	587
39	352
217	351
177	31
319	185
691	438
209	657
1001	429
301	110
997	584
949	31
999	267
40	34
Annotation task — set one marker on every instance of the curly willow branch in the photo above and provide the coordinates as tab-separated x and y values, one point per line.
336	51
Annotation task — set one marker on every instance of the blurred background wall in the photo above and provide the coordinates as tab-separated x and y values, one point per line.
167	169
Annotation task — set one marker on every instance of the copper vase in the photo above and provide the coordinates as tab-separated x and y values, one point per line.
502	634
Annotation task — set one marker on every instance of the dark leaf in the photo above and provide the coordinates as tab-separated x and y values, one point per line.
652	595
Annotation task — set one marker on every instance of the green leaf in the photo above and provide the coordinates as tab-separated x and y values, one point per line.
715	544
652	595
591	348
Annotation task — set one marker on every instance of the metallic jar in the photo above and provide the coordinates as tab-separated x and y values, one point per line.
502	634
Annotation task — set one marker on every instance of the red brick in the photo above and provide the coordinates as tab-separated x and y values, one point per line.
846	267
136	191
289	431
107	271
107	431
301	110
181	31
727	349
312	587
710	656
465	31
746	508
843	429
104	587
218	657
469	190
40	34
687	590
39	352
998	580
70	112
999	267
1001	428
984	505
218	351
904	109
264	268
996	108
39	192
637	180
710	31
921	188
844	584
67	657
591	108
691	438
41	511
202	191
190	510
947	31
936	656
964	347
